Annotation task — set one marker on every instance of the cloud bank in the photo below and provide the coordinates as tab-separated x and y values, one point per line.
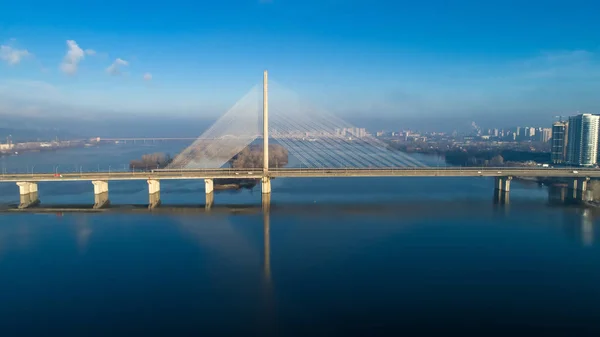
11	55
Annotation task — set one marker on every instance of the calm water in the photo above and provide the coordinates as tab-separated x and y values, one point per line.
339	257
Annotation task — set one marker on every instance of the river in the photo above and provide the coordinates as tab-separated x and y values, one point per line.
332	257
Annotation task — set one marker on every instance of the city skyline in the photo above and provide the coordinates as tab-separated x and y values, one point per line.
196	61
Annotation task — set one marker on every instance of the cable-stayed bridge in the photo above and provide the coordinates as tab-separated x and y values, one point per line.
323	144
313	136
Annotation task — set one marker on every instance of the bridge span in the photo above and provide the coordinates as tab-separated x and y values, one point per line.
234	131
28	183
225	173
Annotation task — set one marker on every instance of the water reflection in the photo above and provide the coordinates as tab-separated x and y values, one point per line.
290	266
501	197
267	246
561	196
268	316
83	232
587	228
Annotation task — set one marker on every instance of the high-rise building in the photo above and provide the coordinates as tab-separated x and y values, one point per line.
527	133
582	148
546	134
559	142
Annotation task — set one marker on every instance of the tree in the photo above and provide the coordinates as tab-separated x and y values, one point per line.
252	157
497	160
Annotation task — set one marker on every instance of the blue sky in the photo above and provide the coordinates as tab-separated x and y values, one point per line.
400	59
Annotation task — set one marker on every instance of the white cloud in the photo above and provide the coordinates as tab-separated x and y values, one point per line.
90	52
147	77
115	67
12	55
73	57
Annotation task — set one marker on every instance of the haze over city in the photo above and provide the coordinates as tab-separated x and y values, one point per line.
428	64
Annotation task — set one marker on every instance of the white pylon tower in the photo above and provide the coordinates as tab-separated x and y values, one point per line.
266	122
266	181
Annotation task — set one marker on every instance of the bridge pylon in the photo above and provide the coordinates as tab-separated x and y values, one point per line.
265	181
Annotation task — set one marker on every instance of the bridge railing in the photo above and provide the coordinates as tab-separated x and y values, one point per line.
234	171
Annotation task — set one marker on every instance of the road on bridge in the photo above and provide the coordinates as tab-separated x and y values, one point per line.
306	173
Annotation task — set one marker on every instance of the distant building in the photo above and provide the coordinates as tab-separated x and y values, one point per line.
6	147
559	142
546	134
582	148
528	134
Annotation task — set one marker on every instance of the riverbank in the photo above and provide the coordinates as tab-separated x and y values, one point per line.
29	147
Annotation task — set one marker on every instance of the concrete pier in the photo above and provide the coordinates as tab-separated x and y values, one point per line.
502	184
266	185
153	193
100	194
578	189
579	184
28	194
502	190
209	186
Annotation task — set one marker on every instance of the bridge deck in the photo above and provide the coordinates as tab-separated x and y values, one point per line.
305	173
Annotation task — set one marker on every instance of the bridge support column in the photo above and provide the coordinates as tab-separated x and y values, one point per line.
209	186
578	189
28	194
266	185
100	194
502	184
153	193
502	190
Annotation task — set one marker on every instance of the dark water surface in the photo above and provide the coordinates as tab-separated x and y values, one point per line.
332	257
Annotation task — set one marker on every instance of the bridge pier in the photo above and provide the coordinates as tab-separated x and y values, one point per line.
578	189
266	185
502	190
100	194
153	193
209	188
28	194
502	184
